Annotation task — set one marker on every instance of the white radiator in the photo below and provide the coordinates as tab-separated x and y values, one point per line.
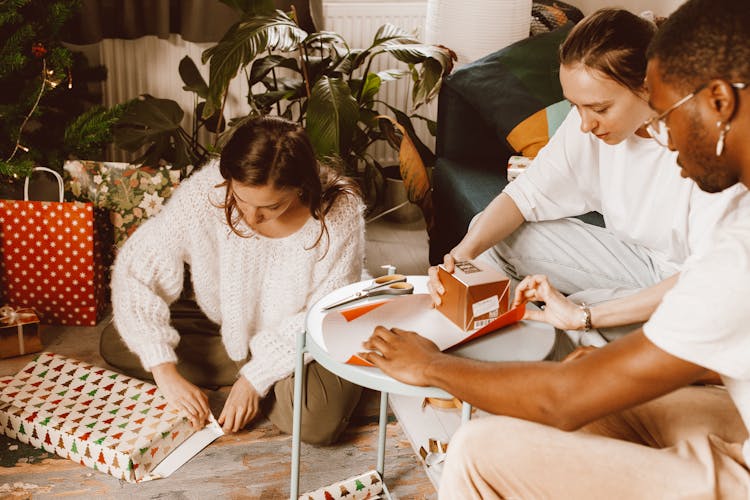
149	65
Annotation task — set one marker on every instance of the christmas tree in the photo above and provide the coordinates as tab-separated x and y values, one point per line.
45	115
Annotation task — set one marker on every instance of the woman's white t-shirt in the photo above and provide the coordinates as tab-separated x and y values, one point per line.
636	185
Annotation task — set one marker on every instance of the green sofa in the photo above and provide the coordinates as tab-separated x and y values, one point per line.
479	105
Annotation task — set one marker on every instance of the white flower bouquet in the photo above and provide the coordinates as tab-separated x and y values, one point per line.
132	193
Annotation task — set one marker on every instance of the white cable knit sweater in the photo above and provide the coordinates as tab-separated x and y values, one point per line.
258	289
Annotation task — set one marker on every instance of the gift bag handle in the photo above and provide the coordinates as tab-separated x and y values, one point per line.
45	169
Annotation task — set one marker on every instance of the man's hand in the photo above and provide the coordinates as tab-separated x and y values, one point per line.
558	311
241	407
401	354
188	398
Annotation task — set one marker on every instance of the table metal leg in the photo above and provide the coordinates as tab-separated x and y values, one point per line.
297	415
465	412
382	427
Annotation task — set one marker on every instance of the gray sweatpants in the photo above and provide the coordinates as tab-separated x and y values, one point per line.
587	263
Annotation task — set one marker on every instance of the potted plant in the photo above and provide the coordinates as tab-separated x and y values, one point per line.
318	80
315	79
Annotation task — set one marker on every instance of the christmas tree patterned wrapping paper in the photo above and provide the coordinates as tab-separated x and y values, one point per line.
99	418
367	486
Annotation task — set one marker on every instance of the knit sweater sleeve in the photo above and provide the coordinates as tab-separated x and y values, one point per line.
148	275
273	349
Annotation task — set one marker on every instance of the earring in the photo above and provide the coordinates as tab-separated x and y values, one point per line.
722	136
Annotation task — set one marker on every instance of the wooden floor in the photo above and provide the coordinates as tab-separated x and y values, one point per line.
254	463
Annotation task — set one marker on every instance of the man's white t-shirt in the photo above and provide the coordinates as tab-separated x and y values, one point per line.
636	185
705	318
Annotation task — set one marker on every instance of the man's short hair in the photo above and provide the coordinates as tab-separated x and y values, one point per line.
702	40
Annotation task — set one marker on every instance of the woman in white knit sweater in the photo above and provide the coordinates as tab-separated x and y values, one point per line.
265	232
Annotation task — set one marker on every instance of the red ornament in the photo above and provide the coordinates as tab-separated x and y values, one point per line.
39	50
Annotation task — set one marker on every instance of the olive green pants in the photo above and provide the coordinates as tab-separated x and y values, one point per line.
327	400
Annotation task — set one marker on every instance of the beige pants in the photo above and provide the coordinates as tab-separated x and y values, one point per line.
327	400
685	445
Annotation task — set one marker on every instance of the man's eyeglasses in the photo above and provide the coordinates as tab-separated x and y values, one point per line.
657	125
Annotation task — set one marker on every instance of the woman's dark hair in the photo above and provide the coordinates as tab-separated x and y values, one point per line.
612	41
702	40
273	151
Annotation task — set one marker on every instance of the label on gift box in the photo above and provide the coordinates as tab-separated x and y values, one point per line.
98	418
486	306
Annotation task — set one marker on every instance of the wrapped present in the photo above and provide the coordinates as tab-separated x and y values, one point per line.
19	332
367	486
55	257
132	193
98	418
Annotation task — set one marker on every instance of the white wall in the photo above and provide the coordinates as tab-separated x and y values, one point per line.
659	7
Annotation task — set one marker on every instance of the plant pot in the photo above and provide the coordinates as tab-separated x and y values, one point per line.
394	195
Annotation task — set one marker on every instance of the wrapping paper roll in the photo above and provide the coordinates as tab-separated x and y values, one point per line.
475	28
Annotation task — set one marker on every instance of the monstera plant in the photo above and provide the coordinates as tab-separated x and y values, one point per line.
318	80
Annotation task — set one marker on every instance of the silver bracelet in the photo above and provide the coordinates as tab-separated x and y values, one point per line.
586	317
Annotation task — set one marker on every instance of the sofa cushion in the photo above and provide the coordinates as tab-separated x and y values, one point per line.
533	133
548	15
512	84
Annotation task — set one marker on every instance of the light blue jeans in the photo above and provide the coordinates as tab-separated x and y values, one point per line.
587	263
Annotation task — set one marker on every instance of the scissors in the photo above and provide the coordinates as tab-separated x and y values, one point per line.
391	284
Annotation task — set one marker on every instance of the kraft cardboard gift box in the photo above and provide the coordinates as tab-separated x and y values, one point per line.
19	332
475	294
99	418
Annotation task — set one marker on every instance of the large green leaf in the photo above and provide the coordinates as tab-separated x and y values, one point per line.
145	120
214	123
389	75
192	77
390	33
332	114
241	44
370	87
154	124
263	65
434	63
326	38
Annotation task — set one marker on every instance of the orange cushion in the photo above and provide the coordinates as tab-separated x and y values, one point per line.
533	133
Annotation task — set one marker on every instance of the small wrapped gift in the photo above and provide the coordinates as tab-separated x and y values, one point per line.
99	418
475	294
19	332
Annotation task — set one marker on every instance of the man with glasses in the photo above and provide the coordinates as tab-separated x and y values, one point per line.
642	431
658	129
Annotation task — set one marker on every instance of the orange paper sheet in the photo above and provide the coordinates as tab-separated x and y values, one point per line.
344	331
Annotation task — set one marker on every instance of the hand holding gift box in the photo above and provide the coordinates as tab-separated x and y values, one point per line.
475	294
19	332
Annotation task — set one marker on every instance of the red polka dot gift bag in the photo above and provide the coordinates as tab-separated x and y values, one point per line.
55	257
